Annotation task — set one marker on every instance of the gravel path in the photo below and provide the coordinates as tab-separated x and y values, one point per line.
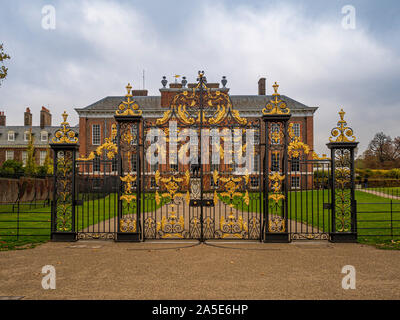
245	270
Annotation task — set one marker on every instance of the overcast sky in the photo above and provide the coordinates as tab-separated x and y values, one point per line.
99	46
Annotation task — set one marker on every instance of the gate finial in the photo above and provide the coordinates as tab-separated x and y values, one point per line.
342	133
65	134
276	106
129	107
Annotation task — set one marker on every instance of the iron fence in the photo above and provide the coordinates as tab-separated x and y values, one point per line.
25	220
378	219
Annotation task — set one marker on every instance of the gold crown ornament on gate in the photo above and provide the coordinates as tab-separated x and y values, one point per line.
129	107
342	133
65	134
276	105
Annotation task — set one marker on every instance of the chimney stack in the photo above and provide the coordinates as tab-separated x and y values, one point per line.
45	118
2	119
261	87
28	117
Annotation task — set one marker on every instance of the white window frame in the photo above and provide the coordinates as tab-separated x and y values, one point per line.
96	164
24	157
11	134
93	134
8	153
297	129
293	162
293	184
256	164
26	136
41	158
42	134
114	164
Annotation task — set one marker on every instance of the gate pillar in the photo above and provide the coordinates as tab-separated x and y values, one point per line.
64	145
129	139
344	208
276	117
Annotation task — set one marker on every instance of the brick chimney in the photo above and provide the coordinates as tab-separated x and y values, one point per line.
45	118
2	119
261	87
28	118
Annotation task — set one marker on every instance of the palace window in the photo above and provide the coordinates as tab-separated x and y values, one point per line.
43	136
296	129
24	157
11	136
9	155
256	163
114	164
42	157
295	182
295	164
275	161
26	135
133	162
96	164
96	137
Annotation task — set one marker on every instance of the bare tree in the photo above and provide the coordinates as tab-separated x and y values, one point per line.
382	152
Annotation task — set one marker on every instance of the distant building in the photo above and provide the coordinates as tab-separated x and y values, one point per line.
14	139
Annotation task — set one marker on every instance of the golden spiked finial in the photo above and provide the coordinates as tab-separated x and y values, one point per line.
275	86
128	89
65	116
128	107
276	106
342	133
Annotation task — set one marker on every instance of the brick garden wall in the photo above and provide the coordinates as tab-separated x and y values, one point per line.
25	189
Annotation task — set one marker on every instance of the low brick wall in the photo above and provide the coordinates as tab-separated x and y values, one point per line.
25	189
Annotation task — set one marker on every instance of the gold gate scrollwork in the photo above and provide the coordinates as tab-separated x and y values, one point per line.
172	225
232	226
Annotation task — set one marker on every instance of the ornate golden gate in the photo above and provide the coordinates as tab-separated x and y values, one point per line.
210	195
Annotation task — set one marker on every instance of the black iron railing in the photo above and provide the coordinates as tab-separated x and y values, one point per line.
21	220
